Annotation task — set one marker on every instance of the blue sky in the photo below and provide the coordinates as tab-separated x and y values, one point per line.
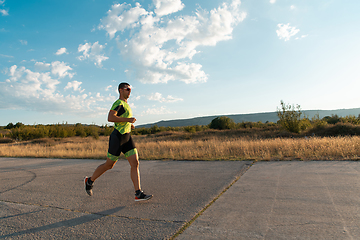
61	61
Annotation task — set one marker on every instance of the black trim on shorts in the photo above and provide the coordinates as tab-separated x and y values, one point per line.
120	143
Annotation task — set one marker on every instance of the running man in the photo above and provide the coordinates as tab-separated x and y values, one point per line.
120	141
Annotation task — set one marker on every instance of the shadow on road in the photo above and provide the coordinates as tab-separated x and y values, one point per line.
67	223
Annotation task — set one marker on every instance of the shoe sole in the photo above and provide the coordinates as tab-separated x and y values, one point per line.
143	199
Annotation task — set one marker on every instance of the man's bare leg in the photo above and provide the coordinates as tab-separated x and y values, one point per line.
135	177
109	164
89	181
134	171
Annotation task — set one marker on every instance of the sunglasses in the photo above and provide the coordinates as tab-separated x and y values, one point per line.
127	89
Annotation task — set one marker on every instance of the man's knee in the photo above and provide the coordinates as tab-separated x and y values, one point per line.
134	161
110	163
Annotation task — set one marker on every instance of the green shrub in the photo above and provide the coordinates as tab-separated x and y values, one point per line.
92	131
29	132
9	126
290	117
339	129
107	130
222	123
305	124
333	119
351	119
141	131
190	129
18	125
318	123
154	129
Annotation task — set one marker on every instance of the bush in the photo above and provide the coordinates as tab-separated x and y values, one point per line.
258	124
339	129
141	131
290	117
9	126
92	131
318	123
333	119
351	119
222	123
154	129
107	130
305	124
19	124
29	132
190	129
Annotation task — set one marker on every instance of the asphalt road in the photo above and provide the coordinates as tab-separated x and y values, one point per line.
286	200
45	198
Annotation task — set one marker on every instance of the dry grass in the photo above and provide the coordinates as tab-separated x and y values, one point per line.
208	146
340	148
74	147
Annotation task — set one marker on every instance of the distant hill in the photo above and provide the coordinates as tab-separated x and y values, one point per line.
254	117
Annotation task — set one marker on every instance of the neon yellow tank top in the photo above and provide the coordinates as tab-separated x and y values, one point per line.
123	110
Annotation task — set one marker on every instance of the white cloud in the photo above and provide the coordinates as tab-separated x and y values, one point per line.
171	99
26	89
6	56
272	1
155	97
93	52
4	12
61	51
85	49
23	42
118	19
161	50
58	69
41	66
158	97
292	7
165	7
24	82
75	85
157	111
61	69
285	31
302	36
108	88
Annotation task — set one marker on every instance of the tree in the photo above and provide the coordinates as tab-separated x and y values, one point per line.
222	123
9	126
290	117
19	124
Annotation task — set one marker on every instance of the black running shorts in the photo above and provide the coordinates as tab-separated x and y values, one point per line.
120	143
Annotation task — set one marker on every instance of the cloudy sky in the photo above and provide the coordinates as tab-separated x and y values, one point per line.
61	61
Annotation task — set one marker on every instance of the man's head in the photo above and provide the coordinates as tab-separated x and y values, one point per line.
124	90
123	85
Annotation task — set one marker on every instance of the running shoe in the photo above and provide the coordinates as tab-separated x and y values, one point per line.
142	197
88	187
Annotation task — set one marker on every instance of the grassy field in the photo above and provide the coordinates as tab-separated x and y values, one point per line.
205	145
